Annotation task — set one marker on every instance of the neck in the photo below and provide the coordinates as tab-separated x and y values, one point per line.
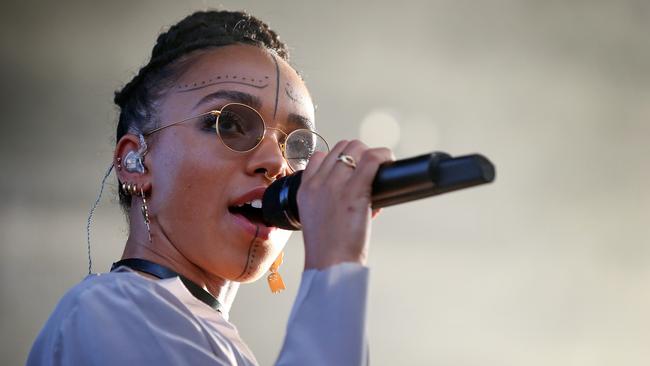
163	252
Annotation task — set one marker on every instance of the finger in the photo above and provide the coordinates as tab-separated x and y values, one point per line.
341	170
313	165
361	181
330	159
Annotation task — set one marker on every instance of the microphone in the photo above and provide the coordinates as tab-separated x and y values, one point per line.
395	182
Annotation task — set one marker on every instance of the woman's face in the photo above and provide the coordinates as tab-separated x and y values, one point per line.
196	180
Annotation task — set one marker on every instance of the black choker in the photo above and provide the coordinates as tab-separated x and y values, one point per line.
162	272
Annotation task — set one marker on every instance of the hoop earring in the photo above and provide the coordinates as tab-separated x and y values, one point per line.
145	214
131	189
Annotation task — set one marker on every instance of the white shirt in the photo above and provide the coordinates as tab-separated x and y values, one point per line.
124	318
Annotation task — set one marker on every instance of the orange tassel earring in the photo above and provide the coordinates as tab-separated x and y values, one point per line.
275	280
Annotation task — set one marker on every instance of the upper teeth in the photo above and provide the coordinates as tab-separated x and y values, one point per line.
257	203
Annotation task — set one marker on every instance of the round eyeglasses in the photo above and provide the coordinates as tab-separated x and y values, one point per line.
242	128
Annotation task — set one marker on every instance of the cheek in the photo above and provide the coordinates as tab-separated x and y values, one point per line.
189	180
190	189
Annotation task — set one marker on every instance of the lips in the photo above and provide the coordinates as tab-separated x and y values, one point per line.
254	194
246	213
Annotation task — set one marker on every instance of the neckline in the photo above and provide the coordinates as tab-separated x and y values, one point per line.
162	272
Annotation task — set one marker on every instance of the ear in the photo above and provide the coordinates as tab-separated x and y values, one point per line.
131	143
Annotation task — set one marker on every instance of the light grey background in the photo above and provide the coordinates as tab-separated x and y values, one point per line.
550	265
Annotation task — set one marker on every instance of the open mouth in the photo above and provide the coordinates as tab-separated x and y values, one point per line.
252	211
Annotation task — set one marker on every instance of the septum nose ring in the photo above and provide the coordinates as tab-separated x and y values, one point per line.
266	175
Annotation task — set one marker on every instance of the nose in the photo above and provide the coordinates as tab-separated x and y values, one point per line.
267	158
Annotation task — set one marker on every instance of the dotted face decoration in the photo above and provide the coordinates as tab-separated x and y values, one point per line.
251	258
291	94
252	253
259	83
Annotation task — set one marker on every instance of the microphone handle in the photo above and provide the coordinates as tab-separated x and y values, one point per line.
395	182
428	175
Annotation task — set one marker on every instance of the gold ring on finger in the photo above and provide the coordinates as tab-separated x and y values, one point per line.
347	160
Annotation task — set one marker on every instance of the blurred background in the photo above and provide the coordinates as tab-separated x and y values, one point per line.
550	265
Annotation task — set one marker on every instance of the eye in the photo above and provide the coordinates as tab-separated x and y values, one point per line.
231	123
209	121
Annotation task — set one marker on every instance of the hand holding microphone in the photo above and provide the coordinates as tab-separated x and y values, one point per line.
325	188
334	200
397	182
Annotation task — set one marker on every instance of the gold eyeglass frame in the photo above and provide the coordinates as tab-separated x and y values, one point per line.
217	113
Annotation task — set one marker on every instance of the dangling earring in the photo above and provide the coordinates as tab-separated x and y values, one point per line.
145	213
132	189
275	280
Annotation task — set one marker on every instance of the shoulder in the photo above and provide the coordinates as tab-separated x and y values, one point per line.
117	295
119	310
115	292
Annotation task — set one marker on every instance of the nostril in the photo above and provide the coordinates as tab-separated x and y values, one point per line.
265	172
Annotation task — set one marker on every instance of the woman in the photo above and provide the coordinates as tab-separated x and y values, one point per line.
215	117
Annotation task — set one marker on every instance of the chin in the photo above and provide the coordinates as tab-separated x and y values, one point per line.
255	272
261	255
245	259
253	276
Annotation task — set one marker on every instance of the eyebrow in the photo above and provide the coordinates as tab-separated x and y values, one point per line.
300	121
293	119
233	96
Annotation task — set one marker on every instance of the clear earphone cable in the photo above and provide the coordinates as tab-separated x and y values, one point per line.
90	216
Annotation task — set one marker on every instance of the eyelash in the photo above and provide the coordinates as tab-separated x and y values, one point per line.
209	121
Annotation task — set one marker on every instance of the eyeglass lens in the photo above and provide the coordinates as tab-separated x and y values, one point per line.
241	128
301	145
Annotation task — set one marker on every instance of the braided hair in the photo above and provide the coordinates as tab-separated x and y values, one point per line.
199	31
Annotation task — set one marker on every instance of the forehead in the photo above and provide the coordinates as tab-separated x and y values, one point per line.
245	69
234	62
